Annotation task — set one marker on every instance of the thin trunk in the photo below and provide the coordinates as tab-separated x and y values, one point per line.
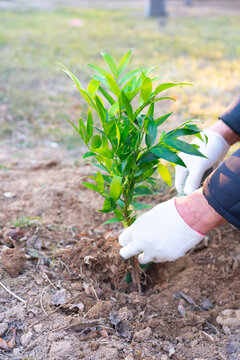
156	8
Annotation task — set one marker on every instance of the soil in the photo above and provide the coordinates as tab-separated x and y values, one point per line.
76	302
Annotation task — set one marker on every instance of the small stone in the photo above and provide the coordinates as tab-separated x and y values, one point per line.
60	350
3	328
129	357
125	313
206	304
8	195
229	317
26	338
171	352
100	309
12	261
37	328
164	357
226	330
143	335
104	353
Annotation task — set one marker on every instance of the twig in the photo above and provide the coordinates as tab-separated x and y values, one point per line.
94	291
66	266
52	312
14	295
41	302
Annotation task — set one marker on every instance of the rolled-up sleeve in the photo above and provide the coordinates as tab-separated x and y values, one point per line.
222	189
231	116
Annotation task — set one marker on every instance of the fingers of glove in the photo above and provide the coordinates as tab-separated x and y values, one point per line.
129	250
193	181
144	259
125	237
181	174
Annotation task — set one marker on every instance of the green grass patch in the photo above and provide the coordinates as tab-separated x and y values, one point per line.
39	98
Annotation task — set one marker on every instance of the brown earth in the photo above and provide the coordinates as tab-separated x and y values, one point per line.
77	304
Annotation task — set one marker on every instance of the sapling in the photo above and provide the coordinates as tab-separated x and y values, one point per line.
125	144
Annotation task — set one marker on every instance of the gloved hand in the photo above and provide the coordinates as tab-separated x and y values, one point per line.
158	235
188	179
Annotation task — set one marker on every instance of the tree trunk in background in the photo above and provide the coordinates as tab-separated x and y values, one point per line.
156	8
188	2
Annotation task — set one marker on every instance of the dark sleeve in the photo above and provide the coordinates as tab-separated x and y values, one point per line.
222	189
231	116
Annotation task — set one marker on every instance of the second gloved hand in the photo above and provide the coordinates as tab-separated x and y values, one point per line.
158	235
188	179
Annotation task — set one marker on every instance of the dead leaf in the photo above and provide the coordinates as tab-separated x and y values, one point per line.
104	333
11	343
3	345
60	297
121	326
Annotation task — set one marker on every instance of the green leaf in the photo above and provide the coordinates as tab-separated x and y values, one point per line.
167	154
123	63
166	86
127	105
151	132
115	188
146	89
181	132
107	153
111	63
83	131
96	142
142	190
118	134
100	110
99	70
118	213
89	124
147	157
139	206
86	96
110	130
111	221
106	95
113	86
151	110
113	109
77	130
93	86
160	120
184	147
88	154
131	74
127	164
100	181
91	186
165	174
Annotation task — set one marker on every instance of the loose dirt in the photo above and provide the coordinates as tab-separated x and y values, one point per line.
78	304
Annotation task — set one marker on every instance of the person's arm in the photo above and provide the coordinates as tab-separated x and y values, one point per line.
225	131
222	189
231	117
170	229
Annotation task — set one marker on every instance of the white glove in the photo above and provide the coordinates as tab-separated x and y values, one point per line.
158	235
188	179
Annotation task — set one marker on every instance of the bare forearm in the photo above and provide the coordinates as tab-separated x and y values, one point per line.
226	132
197	213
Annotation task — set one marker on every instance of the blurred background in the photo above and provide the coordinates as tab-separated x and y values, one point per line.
188	40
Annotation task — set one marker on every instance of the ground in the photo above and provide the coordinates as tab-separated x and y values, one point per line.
55	255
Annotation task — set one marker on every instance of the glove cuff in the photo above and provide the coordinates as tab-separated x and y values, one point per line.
190	237
217	138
